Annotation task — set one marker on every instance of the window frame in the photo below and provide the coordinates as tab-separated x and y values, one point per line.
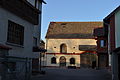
72	61
63	48
53	60
15	34
102	43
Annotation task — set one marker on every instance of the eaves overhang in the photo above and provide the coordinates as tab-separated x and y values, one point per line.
111	14
42	1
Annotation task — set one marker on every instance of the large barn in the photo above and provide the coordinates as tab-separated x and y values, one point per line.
71	44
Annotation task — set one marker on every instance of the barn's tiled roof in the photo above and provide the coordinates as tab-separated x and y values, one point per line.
72	29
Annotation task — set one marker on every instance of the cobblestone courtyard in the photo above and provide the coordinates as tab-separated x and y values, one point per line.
74	74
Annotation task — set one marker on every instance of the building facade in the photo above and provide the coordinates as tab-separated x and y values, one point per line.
43	53
102	47
20	24
112	26
71	44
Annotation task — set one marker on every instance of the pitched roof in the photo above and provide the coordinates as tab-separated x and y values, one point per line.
112	13
72	29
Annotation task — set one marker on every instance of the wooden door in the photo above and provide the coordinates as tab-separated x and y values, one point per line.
62	61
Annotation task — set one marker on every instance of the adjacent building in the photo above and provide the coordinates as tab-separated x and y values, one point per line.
43	53
112	27
20	25
71	44
102	47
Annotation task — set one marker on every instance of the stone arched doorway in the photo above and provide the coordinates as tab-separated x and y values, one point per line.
62	61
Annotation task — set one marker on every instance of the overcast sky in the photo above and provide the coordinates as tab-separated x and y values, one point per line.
75	10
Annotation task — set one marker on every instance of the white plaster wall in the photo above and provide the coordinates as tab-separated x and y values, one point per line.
37	28
51	43
77	60
117	29
26	50
36	33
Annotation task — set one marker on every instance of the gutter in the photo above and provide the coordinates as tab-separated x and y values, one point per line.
44	2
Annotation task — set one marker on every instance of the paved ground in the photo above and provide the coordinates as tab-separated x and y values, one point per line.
74	74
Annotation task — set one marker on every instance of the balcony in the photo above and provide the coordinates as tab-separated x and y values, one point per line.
23	9
38	49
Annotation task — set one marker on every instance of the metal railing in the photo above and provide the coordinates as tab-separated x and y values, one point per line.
15	68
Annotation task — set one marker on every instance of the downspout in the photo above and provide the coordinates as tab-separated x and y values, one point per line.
40	18
108	42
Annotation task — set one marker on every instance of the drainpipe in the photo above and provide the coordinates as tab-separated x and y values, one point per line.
108	43
40	20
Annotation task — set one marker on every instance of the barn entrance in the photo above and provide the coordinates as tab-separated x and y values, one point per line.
88	60
62	61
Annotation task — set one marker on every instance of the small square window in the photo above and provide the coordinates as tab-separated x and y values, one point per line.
102	43
53	60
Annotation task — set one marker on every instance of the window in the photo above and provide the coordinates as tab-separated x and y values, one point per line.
102	43
63	48
72	60
15	33
53	60
34	41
